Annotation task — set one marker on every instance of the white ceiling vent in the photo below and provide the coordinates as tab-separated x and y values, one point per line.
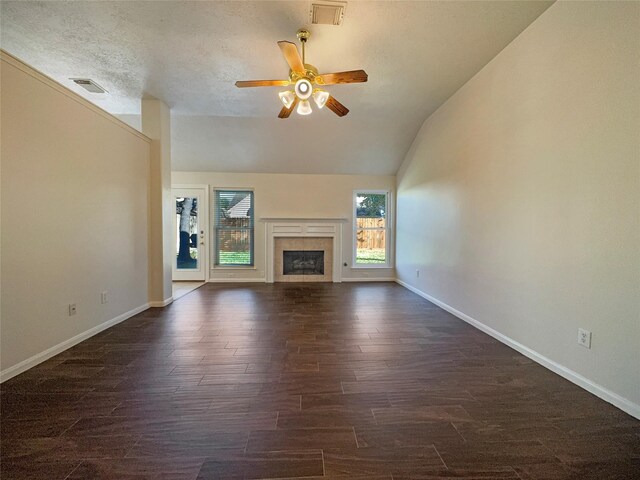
88	85
327	12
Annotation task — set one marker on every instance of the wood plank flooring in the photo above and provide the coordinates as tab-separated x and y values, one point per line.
305	381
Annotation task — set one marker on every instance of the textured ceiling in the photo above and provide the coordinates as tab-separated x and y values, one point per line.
189	54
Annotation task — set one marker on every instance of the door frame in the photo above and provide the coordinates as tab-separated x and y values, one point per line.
203	224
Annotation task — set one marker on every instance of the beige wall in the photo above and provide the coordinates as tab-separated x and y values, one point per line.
156	124
74	216
519	201
297	196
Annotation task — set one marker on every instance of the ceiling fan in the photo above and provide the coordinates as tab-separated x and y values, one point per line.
306	82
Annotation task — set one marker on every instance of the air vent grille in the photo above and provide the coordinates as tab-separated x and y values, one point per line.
88	84
327	12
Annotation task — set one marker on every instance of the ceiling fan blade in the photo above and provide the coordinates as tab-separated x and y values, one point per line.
262	83
291	55
353	76
336	107
285	112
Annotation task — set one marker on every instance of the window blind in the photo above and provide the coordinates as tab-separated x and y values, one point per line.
234	227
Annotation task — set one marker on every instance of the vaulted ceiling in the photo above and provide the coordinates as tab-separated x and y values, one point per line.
189	54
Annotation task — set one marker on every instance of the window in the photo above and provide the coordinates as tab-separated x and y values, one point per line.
233	221
370	228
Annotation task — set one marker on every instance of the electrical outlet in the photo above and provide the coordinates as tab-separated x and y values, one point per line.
584	338
72	309
365	274
104	298
417	273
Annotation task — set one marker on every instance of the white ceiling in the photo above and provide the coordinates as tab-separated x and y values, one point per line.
189	54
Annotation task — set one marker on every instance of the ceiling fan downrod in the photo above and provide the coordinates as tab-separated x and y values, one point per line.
303	35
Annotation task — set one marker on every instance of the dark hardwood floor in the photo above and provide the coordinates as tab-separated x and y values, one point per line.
315	381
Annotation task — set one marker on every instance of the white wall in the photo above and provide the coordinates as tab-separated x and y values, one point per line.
297	196
519	200
74	217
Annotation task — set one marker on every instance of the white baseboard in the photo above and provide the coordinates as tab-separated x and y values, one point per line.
369	279
25	365
161	303
236	280
605	394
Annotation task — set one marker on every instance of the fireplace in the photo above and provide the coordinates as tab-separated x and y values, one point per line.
303	259
303	234
303	262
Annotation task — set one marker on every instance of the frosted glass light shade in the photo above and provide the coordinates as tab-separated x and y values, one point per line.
303	89
320	97
287	98
304	108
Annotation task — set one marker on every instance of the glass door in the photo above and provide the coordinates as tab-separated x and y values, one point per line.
190	234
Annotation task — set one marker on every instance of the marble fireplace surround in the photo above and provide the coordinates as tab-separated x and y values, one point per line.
311	228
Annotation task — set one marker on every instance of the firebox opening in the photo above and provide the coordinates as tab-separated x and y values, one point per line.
303	262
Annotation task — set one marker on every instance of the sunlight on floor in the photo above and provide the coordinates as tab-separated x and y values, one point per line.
180	289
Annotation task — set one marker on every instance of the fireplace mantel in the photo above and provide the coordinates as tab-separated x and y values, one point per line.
303	227
302	220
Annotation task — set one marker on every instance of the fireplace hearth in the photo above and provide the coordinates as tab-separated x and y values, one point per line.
303	262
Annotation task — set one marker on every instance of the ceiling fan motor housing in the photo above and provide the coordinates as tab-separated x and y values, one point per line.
310	73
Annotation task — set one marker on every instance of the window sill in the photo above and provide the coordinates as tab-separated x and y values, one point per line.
233	267
367	266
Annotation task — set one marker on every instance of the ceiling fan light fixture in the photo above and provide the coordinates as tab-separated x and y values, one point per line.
320	97
287	98
303	88
304	108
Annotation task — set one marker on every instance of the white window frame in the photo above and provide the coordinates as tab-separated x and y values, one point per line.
214	242
387	229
